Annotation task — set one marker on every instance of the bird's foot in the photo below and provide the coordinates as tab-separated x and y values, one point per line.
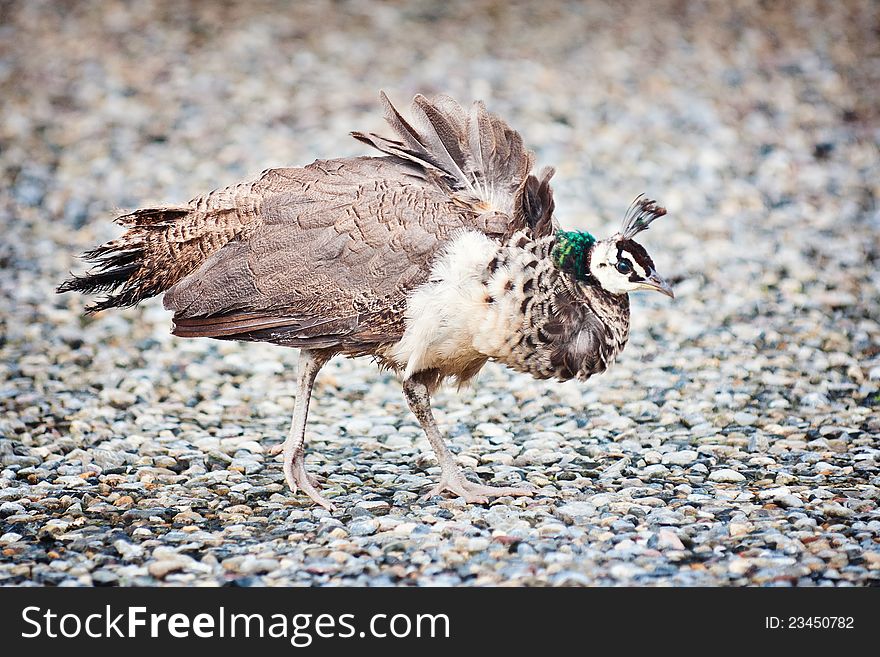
298	479
473	493
275	450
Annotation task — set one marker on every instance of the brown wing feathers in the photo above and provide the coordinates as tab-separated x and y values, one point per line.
256	326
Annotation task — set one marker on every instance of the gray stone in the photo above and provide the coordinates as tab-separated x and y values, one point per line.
726	475
365	527
682	457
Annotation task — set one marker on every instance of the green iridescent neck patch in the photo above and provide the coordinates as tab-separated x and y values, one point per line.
571	253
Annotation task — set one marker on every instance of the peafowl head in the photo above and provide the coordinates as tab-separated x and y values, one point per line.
617	264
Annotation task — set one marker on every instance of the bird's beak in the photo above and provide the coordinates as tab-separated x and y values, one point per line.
654	282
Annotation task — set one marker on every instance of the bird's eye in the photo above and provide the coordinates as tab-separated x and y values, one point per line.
624	266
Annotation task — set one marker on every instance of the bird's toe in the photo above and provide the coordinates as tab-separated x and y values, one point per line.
475	493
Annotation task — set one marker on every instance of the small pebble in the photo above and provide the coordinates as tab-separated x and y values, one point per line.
726	475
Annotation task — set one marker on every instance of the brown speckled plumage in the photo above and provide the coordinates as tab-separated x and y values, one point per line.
555	310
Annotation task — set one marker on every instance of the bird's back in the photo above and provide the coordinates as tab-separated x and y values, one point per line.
332	253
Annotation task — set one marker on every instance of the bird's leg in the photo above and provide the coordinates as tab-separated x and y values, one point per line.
293	448
451	477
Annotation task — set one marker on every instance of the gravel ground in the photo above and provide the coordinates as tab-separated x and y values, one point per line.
735	442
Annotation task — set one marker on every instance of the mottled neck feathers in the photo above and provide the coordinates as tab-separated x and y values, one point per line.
572	253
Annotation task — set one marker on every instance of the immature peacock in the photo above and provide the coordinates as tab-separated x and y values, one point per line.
433	259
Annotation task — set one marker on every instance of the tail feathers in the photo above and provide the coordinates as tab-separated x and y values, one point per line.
137	265
477	153
444	129
157	217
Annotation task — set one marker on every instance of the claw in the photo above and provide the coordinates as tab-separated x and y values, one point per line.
298	479
312	479
474	493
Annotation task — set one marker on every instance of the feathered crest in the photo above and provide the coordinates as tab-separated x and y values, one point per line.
641	213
